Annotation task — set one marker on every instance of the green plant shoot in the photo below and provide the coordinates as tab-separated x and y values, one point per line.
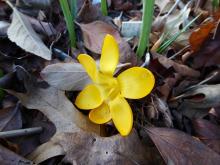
73	5
104	8
69	18
148	9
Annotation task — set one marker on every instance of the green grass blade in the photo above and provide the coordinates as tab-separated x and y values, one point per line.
69	21
148	9
167	43
104	7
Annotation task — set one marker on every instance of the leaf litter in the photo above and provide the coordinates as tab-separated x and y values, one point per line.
40	89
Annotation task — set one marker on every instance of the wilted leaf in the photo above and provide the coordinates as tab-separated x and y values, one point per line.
94	33
180	148
22	33
208	133
10	158
66	76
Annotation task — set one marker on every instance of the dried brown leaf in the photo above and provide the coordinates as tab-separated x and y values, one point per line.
179	148
94	33
208	133
182	69
197	37
10	158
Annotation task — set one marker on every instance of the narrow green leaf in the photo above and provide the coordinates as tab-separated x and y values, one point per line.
148	9
104	7
69	21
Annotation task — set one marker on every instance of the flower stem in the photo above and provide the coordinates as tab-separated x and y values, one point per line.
104	8
69	18
148	8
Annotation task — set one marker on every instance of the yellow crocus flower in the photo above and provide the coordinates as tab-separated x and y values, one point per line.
106	96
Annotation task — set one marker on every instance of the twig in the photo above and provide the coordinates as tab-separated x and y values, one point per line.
179	52
21	132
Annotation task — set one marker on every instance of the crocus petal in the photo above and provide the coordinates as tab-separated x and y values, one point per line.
110	55
89	98
121	115
100	115
136	82
89	65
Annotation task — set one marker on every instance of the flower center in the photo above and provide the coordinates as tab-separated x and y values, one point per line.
108	86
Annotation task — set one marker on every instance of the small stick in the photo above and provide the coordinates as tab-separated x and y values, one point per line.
21	132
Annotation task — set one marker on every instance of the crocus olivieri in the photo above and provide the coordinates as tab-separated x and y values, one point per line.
106	96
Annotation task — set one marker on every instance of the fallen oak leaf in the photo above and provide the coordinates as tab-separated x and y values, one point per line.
88	149
188	150
21	32
54	104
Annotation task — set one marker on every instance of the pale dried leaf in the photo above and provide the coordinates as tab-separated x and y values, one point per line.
22	33
209	96
66	76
